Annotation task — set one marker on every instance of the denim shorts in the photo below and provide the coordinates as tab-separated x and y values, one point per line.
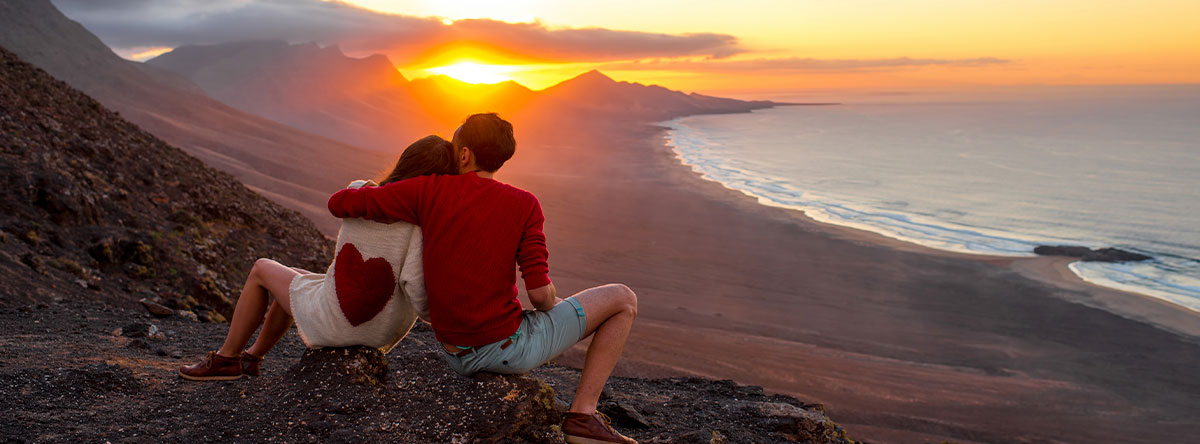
543	335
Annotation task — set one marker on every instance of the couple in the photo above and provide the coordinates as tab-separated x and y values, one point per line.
474	232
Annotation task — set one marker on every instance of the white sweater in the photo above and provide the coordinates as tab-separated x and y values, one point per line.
371	294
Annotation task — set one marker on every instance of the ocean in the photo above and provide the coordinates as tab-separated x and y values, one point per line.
996	172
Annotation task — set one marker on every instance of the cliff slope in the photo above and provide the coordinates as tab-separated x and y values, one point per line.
292	167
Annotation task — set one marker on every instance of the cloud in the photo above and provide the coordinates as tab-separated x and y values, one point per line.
795	64
124	24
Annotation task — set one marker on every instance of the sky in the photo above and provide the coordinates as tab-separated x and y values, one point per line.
740	47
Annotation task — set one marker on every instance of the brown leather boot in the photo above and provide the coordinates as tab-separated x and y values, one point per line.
213	367
250	363
591	429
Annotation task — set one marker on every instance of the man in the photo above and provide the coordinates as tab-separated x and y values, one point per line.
476	230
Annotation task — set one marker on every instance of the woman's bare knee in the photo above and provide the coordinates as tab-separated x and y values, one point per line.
260	266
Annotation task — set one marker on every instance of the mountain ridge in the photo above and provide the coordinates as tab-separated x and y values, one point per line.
425	102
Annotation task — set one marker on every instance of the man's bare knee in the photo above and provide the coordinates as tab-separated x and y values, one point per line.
626	297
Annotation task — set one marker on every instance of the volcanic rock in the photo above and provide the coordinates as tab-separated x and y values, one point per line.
158	310
1090	255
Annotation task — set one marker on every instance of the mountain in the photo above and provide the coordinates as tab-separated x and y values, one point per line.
295	168
449	100
368	103
593	92
365	102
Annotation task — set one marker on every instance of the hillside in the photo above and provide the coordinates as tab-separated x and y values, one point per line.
364	102
97	208
99	213
290	166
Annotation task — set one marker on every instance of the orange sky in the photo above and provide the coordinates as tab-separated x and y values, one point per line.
859	43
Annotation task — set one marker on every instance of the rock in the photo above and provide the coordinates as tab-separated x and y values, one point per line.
342	436
177	354
703	436
141	330
158	310
210	316
1090	255
102	251
356	364
625	415
703	411
32	261
138	344
160	351
1115	255
186	314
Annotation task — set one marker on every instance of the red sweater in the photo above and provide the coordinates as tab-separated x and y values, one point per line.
474	229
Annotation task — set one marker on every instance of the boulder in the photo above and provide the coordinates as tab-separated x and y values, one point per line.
1090	255
158	310
357	365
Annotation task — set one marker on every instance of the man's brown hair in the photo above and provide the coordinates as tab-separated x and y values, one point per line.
489	137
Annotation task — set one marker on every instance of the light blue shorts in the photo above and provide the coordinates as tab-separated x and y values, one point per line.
543	335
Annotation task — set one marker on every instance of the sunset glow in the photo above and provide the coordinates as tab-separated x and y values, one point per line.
147	53
1031	42
472	72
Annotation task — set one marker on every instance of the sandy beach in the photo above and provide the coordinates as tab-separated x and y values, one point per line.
900	342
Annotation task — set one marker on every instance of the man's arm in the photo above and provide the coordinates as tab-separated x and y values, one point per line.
532	257
389	203
543	298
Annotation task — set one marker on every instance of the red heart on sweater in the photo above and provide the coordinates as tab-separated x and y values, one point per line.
363	287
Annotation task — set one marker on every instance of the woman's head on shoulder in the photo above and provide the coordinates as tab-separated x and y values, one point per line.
428	155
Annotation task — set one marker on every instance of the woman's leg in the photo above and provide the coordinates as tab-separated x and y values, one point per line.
266	276
274	326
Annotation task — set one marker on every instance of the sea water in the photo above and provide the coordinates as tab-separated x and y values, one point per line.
998	172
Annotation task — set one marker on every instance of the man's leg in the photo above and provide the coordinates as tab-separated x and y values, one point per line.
610	310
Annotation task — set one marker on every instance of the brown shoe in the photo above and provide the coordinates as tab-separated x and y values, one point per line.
250	363
591	429
213	367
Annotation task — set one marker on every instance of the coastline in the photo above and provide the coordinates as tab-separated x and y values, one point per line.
902	343
1052	270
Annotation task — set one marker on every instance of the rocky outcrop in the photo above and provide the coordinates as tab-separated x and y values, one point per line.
698	410
94	207
112	380
1091	255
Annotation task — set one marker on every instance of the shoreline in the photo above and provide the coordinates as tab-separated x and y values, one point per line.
1052	270
902	343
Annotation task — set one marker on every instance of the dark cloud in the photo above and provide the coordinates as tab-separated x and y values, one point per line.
798	64
173	23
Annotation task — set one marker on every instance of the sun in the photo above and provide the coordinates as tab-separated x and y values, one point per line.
474	72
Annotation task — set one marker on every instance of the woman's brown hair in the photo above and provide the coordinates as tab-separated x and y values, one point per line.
430	155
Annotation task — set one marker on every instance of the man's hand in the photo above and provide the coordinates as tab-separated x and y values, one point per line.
362	183
543	298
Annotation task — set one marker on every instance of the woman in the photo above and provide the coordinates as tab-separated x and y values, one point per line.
358	301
